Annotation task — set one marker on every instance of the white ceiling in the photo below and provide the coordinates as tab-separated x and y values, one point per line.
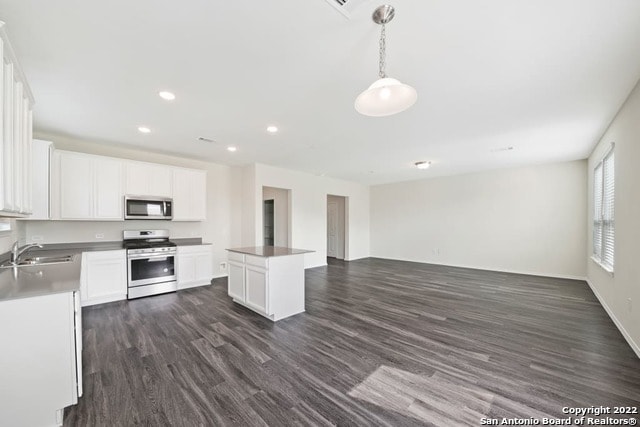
545	77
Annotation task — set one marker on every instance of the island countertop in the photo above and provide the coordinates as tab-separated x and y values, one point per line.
269	251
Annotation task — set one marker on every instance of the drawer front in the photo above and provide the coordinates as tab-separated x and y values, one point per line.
256	261
235	256
197	249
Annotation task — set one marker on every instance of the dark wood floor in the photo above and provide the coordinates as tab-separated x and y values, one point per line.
382	343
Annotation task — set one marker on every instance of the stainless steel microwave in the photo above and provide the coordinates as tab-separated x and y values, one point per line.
148	207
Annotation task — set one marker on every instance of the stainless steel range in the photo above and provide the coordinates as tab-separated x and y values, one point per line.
151	260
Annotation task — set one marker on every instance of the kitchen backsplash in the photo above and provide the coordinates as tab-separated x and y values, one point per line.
94	231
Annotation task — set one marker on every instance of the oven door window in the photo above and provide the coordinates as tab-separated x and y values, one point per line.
144	208
152	269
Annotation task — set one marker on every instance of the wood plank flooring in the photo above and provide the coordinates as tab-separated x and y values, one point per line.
386	343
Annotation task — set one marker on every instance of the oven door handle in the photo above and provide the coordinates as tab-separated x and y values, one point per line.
161	257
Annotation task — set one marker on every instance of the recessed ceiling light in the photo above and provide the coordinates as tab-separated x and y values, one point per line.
232	149
423	165
272	129
144	129
169	96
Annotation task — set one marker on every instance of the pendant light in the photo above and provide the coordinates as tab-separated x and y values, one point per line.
386	96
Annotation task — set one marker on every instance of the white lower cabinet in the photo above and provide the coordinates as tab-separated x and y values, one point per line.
236	280
195	266
103	277
40	361
270	286
257	288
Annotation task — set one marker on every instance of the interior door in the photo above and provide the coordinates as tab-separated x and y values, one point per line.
332	229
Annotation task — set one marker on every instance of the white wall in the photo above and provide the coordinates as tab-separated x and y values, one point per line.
216	229
615	291
280	199
528	220
308	198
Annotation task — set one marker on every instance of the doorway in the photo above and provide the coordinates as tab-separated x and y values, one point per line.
336	226
276	218
268	223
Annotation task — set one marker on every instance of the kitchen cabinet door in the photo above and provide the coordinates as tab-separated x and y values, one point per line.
160	180
256	285
86	187
186	269
76	186
148	179
195	266
108	188
16	122
236	280
40	158
189	194
38	359
137	179
104	277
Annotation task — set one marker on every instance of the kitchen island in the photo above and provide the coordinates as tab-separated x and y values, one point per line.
268	280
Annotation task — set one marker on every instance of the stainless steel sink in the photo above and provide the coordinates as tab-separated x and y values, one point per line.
39	260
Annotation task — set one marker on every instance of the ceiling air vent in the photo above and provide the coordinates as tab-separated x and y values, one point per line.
346	6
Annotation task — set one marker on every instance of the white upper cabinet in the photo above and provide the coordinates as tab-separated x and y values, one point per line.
15	134
40	158
148	179
86	187
108	197
189	194
92	187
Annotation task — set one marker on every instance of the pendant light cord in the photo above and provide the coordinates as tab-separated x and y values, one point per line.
383	53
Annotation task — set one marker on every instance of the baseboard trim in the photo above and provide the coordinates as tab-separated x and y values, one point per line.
634	346
499	270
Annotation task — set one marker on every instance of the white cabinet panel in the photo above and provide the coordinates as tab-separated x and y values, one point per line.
195	266
236	280
108	188
160	180
189	194
40	158
148	179
88	187
104	277
76	186
38	359
186	269
256	284
16	103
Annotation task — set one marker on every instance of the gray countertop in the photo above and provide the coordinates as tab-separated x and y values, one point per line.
269	251
33	281
38	280
110	246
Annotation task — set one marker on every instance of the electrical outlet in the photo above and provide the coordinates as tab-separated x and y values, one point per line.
223	266
37	239
629	305
99	235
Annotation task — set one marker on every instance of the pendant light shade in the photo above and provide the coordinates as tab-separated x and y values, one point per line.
386	96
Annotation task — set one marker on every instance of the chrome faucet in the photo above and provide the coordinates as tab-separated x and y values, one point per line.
16	250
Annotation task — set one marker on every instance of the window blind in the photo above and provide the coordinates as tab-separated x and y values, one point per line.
604	214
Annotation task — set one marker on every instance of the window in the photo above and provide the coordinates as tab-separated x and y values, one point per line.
603	214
